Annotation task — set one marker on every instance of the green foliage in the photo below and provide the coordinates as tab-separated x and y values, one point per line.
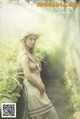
71	83
8	68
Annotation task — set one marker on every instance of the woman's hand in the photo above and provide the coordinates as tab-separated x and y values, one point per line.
42	88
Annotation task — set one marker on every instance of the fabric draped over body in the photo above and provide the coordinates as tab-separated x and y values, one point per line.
39	105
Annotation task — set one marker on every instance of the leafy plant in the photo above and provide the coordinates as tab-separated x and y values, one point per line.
71	83
8	73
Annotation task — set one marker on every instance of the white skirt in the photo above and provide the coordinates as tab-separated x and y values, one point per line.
49	115
39	106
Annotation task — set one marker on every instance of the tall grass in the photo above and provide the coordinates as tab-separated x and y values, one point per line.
71	83
8	73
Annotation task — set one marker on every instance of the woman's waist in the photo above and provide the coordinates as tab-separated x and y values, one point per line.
35	77
30	87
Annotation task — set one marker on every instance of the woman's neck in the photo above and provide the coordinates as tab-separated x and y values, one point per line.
26	50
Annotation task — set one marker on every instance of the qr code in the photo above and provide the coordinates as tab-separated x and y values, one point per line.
8	110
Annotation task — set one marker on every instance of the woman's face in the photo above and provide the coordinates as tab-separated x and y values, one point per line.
30	42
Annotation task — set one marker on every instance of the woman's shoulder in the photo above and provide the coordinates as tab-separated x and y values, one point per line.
22	56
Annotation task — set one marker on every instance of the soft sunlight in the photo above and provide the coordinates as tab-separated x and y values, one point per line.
16	19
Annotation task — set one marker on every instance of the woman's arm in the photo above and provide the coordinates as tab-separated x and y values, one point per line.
27	74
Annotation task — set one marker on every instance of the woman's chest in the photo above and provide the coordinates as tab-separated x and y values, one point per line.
34	66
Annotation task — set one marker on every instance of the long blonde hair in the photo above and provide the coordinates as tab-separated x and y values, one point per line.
23	40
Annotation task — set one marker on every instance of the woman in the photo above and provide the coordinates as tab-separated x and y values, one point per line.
39	105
